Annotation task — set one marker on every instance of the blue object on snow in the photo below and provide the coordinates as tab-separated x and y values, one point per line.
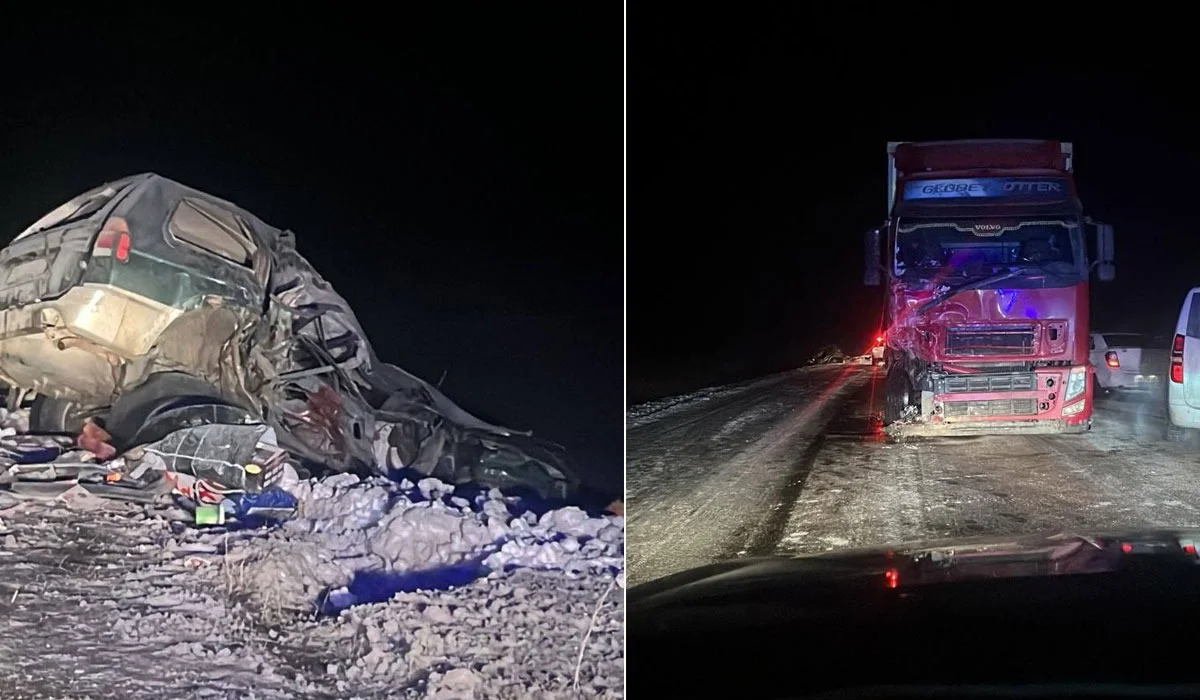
30	454
272	504
374	586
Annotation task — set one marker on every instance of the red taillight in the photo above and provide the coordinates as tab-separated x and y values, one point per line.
1111	359
113	240
879	340
123	248
1127	548
1177	359
893	578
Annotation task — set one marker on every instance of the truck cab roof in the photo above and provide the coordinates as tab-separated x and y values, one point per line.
943	157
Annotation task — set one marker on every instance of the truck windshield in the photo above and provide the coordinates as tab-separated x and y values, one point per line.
981	247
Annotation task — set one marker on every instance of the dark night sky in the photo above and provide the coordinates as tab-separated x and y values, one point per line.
762	150
458	181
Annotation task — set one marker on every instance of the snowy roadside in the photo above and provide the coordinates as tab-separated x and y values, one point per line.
713	482
666	407
374	590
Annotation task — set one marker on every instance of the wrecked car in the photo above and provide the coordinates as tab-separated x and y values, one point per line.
828	355
146	306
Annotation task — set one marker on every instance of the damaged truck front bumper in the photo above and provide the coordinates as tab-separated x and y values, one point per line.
992	427
1045	401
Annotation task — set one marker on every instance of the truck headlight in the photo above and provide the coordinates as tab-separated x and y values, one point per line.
1076	382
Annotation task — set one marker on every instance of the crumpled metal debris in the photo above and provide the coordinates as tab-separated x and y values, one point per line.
245	329
828	354
334	402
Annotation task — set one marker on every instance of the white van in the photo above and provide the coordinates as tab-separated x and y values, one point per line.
1183	385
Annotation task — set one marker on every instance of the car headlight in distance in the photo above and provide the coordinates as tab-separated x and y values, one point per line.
1076	382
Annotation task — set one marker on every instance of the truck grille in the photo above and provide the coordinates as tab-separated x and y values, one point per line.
990	341
988	409
985	383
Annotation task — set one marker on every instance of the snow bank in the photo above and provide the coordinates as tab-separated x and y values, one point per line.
659	409
356	541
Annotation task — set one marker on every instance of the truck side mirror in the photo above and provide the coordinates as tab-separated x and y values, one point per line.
873	266
1106	271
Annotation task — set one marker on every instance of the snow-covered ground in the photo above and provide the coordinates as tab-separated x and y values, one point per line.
701	479
798	466
375	589
664	408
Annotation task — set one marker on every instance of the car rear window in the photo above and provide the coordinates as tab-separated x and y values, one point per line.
212	229
1135	340
1193	324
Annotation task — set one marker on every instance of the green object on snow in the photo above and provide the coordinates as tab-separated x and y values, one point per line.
210	515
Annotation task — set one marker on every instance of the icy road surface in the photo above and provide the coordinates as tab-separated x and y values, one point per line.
795	464
110	600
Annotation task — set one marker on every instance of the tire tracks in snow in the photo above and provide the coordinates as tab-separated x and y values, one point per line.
1118	476
695	499
767	539
859	493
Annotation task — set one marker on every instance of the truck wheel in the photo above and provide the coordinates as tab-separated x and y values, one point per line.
897	395
49	416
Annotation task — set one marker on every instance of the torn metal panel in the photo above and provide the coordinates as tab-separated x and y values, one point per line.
323	317
337	402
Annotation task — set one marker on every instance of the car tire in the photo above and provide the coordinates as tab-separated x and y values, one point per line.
51	416
1188	437
130	411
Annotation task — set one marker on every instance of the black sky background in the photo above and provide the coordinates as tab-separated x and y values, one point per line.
760	143
458	180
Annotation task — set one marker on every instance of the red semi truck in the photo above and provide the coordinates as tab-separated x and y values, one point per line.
986	272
